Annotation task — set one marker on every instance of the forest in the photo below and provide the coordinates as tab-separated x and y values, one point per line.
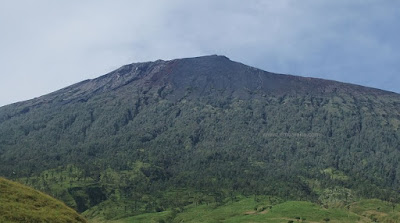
121	149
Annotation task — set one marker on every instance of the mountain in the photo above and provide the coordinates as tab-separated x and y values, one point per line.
153	136
20	203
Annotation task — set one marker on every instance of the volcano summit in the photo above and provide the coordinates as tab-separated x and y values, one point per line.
155	136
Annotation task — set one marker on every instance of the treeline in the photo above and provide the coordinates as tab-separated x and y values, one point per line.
140	148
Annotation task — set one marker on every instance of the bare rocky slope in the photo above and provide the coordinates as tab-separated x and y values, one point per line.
206	126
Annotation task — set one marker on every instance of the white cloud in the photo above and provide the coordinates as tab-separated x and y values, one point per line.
46	45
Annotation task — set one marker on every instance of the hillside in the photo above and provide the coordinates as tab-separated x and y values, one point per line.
19	203
153	136
263	210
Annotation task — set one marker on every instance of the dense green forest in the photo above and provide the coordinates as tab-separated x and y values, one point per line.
158	136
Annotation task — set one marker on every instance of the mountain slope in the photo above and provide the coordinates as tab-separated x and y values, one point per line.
202	129
19	203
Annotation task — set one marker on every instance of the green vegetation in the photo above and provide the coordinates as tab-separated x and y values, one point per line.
20	203
151	138
264	211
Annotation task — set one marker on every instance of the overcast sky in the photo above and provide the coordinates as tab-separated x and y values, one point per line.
46	45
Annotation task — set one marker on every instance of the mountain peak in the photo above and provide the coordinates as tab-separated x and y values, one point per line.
203	75
207	126
211	56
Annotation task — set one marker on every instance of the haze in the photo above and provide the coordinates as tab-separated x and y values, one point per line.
48	45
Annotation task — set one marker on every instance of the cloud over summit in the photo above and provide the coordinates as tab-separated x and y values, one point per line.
48	45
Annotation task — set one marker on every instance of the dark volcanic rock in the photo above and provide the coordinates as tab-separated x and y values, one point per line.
204	123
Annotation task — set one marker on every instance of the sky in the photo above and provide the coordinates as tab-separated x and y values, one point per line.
46	45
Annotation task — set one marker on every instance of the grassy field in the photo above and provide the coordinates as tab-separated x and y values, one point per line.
249	210
20	203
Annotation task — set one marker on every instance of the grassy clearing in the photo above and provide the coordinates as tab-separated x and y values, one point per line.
20	203
377	210
249	210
